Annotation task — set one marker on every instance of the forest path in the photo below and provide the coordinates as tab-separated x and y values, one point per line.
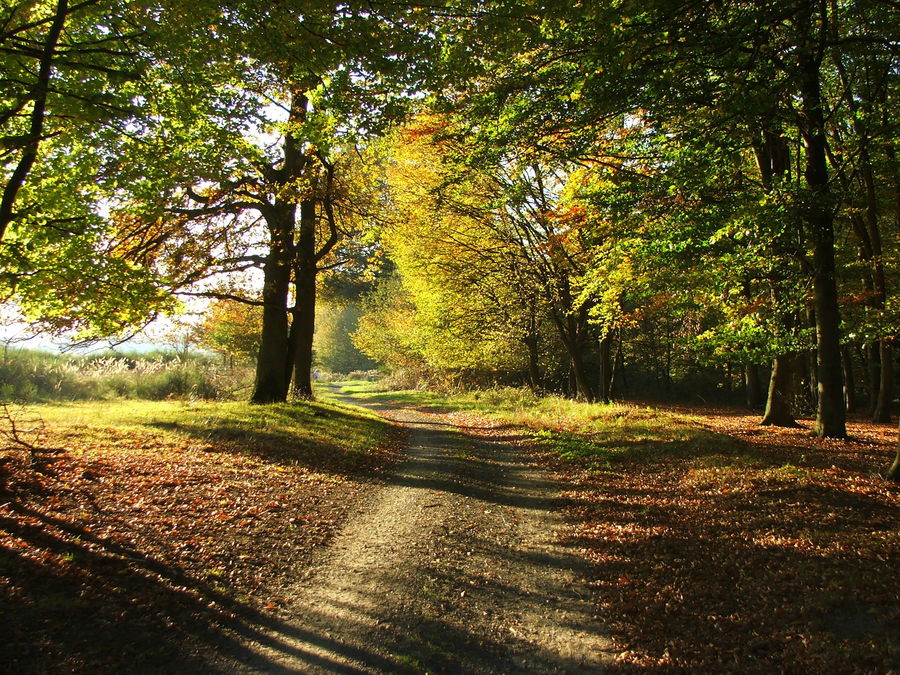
450	566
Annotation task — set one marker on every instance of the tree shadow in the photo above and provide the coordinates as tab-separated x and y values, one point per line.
317	450
120	610
752	580
108	607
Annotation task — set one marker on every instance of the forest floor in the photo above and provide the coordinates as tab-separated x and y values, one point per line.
155	536
503	538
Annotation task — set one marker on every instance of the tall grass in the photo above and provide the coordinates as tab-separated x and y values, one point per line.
35	376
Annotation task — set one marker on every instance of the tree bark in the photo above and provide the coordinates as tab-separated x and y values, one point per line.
781	391
36	119
531	340
882	412
271	385
274	358
849	380
305	290
819	218
583	389
868	231
773	158
534	364
619	381
572	330
810	358
873	371
573	339
606	368
893	473
882	409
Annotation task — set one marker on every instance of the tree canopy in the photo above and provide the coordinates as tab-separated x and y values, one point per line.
597	198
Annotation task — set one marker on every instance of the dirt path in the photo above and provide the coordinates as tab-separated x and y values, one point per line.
450	566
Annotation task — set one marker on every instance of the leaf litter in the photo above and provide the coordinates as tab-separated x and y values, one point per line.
761	550
137	548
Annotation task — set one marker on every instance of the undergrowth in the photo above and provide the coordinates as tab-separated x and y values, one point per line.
34	376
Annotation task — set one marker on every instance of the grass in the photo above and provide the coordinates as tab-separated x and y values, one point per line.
354	387
35	376
315	433
595	436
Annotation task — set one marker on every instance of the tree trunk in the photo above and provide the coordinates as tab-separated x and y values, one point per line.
618	382
894	472
849	380
271	384
534	364
272	363
752	386
868	233
531	341
667	382
606	368
882	412
882	409
781	391
36	118
305	290
572	331
812	376
583	390
819	218
773	158
873	370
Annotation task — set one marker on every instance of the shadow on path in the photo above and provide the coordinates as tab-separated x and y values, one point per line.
450	566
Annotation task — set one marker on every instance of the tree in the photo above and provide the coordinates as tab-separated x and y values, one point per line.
231	329
334	348
893	473
485	253
326	79
451	265
70	88
254	175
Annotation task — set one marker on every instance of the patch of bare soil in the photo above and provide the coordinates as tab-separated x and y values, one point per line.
453	565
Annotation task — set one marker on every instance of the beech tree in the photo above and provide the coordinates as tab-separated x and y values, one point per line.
463	283
261	148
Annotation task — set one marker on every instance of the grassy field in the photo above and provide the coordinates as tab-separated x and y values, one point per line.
596	436
141	531
718	545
